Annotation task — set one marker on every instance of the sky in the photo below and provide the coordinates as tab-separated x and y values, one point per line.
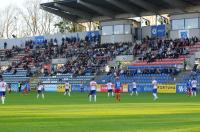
5	3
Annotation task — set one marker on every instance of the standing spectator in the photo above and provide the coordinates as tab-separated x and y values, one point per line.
82	87
185	64
5	45
19	86
9	88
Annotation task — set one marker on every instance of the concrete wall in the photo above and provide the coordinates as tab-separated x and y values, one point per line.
146	31
192	32
188	15
116	38
116	22
21	41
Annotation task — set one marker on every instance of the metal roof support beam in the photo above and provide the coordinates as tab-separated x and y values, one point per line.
59	13
177	3
146	5
75	12
95	8
124	7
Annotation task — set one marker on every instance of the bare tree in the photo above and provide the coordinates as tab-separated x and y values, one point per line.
28	20
38	21
7	21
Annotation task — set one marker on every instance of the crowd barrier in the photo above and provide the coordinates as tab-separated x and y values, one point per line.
14	87
162	88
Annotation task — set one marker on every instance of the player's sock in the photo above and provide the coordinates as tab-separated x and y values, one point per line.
65	93
108	94
131	93
90	98
192	93
3	100
38	95
95	98
136	93
155	96
195	93
112	94
68	93
43	96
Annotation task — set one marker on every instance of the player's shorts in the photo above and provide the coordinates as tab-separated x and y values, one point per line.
117	91
194	89
110	90
93	92
134	89
66	90
26	90
154	90
2	93
39	91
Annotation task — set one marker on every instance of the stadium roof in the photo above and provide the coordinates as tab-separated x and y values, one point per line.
100	10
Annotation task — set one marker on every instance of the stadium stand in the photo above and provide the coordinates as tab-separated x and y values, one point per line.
165	52
156	59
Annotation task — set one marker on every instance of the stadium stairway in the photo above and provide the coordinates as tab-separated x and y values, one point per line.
2	54
34	82
182	77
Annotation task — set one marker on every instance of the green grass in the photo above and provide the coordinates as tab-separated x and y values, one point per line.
58	113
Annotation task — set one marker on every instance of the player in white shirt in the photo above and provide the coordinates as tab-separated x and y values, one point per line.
155	86
93	87
134	89
194	87
67	88
40	90
110	89
2	90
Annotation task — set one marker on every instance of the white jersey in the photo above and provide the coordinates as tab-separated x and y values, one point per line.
3	86
155	84
93	85
194	83
40	87
109	85
67	85
134	85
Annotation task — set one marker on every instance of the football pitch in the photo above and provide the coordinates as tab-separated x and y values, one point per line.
59	113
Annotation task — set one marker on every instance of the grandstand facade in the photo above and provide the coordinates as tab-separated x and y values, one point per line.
165	51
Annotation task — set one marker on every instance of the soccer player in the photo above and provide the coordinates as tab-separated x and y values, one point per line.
110	90
67	88
19	86
118	89
93	87
189	88
134	89
194	87
155	86
25	88
40	90
82	87
9	88
2	90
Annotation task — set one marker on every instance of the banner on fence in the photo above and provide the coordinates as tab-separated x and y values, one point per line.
125	88
61	88
50	87
181	88
141	88
169	88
